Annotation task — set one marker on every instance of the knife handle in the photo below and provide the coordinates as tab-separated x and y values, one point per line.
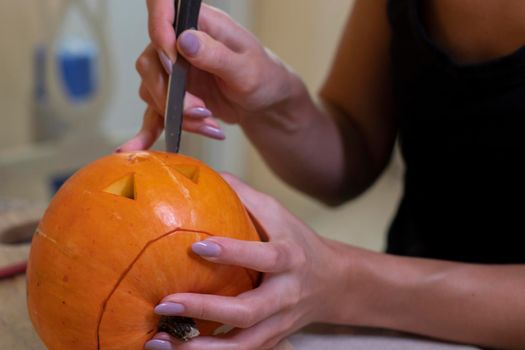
187	16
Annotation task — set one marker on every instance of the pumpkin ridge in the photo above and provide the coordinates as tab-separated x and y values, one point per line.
128	269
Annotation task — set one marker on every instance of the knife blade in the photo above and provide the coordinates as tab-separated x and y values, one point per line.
187	18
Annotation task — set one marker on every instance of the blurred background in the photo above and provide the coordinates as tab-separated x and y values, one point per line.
68	95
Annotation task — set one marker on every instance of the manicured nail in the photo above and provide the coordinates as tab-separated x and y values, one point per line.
206	249
189	43
199	112
213	132
118	150
169	309
157	344
166	62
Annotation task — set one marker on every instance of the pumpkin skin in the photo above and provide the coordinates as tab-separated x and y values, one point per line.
117	238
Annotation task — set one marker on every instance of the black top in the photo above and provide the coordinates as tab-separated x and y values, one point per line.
461	131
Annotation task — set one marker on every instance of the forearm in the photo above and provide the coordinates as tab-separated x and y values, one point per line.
311	147
475	304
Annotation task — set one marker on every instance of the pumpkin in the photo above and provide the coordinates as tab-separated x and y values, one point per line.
116	239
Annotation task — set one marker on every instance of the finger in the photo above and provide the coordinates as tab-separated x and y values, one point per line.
161	15
269	257
194	107
152	127
220	26
146	97
263	336
154	77
208	127
212	56
243	311
163	341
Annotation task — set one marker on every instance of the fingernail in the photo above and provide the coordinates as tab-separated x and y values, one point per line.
169	309
213	132
199	112
206	249
157	344
166	62
118	150
189	43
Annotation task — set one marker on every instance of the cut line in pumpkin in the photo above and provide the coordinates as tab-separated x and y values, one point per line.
127	270
124	187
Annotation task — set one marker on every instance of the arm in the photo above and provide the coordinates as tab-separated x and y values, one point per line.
466	303
332	152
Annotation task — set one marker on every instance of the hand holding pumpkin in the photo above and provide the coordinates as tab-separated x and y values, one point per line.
295	290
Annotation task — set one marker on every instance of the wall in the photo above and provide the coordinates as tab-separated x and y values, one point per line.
305	34
17	34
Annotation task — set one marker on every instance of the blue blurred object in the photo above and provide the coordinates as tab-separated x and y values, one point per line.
58	180
77	65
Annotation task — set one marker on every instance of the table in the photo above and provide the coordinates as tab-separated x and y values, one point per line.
332	337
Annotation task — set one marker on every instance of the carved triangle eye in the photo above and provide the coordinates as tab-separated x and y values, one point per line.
125	187
189	171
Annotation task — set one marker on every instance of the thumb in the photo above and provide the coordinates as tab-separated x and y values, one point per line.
212	56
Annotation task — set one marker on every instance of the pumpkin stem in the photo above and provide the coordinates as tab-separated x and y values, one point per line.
182	328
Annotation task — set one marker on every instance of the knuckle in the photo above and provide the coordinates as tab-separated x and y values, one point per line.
250	79
247	317
141	64
278	257
298	256
143	94
293	296
288	256
200	311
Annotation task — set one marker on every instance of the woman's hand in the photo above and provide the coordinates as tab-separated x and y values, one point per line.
233	77
300	281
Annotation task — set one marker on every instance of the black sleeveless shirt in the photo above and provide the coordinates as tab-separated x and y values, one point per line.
462	136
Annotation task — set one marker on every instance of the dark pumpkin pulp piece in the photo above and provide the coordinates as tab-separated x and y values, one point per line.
181	328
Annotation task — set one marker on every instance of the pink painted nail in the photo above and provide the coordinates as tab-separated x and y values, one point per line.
199	113
212	132
169	309
166	62
206	249
189	43
157	344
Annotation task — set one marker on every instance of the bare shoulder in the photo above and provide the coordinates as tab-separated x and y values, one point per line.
474	31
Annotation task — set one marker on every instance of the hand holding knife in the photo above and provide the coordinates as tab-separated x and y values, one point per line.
187	14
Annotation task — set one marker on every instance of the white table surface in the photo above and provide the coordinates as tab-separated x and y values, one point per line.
330	337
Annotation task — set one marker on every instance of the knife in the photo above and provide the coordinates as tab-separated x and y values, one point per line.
187	15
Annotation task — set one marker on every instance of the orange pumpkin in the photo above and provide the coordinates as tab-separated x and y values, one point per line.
117	238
